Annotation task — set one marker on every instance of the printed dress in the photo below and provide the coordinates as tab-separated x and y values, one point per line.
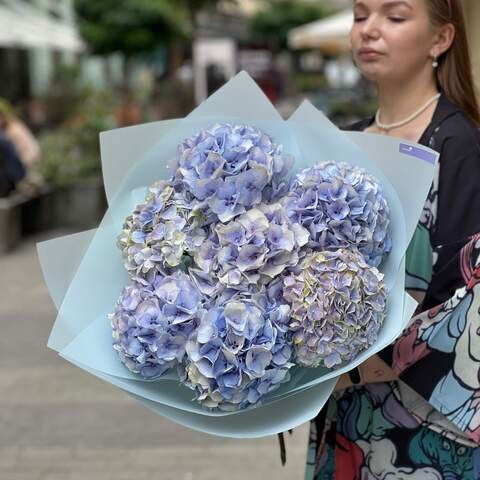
426	425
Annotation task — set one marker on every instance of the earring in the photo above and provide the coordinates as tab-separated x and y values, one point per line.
434	63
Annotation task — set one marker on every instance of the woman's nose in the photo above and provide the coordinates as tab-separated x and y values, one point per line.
371	27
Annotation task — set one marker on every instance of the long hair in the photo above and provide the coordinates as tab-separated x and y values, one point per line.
454	72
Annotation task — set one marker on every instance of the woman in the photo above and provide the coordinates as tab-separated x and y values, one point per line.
414	411
25	143
11	168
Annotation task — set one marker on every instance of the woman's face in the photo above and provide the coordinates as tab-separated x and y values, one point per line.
391	38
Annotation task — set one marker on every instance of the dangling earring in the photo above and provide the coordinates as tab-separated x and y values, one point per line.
435	63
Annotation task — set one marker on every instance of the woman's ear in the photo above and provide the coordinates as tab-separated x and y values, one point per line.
444	39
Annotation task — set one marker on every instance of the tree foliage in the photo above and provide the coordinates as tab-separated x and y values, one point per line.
272	23
136	26
130	26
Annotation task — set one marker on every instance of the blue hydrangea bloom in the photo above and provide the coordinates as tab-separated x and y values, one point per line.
338	306
151	323
238	274
252	249
231	168
161	231
342	206
240	352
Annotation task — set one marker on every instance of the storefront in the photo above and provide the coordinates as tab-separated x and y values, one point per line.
32	37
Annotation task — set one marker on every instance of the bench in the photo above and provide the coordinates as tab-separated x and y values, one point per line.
79	207
11	221
22	214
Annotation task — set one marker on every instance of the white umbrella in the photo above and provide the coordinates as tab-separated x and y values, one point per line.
330	34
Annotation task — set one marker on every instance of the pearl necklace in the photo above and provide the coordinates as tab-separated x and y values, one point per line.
389	126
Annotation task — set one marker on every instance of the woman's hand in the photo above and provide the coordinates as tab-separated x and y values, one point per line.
371	371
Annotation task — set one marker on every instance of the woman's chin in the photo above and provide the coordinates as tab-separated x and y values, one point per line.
373	73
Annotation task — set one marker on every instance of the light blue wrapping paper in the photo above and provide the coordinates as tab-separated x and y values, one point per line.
85	273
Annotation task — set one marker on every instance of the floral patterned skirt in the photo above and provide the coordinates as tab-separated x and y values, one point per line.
384	431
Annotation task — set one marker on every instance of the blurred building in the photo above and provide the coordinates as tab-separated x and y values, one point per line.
215	49
472	16
35	35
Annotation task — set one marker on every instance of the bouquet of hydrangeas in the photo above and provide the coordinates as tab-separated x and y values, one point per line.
257	260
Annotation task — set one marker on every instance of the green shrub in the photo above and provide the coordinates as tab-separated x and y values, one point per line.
71	153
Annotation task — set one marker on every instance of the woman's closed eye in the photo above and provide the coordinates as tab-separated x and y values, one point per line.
392	19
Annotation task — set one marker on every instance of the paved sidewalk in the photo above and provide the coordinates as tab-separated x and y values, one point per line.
59	423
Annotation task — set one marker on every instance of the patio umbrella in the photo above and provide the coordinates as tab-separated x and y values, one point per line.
331	34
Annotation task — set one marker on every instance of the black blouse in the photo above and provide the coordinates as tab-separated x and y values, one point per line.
452	209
